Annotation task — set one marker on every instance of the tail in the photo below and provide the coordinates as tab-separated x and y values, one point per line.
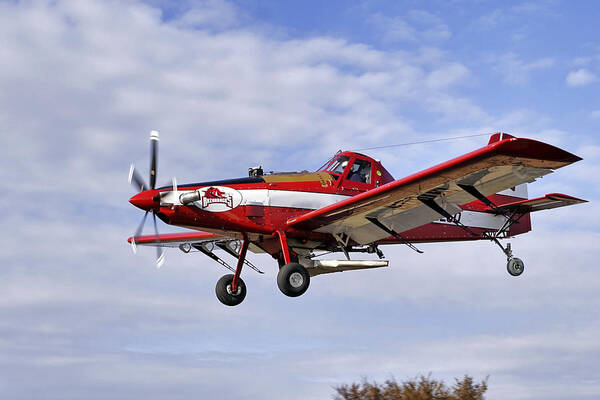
515	201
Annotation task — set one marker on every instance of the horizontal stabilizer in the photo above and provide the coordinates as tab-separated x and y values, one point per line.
549	201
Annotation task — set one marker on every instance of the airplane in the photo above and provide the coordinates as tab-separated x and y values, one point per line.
350	205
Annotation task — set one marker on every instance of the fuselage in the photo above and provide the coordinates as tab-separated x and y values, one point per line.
262	205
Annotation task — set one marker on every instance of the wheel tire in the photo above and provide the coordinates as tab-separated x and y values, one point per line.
224	293
515	266
293	279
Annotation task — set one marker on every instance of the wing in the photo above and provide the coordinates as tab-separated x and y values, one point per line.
549	201
176	239
410	202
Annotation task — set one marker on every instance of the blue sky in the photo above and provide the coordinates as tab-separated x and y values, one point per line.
236	84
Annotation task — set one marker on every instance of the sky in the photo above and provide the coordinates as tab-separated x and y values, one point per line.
234	84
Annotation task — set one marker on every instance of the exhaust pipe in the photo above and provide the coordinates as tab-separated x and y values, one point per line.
187	198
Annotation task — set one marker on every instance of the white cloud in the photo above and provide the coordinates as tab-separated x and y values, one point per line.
208	13
517	17
189	83
431	26
447	75
491	20
514	70
416	26
580	77
393	28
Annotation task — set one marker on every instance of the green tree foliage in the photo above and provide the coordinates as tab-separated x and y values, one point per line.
421	388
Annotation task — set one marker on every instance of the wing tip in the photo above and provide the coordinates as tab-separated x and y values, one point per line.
566	197
531	148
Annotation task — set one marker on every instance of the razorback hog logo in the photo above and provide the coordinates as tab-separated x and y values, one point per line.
213	195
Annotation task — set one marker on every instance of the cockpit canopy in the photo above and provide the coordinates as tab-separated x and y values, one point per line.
356	167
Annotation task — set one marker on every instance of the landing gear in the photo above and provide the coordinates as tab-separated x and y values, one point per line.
231	289
293	279
515	266
225	292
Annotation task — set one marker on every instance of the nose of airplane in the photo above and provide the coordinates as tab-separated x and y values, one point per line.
146	200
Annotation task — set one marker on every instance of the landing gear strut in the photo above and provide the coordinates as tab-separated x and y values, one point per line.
514	265
231	289
293	279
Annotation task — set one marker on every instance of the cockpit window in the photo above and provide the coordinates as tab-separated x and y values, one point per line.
339	164
360	171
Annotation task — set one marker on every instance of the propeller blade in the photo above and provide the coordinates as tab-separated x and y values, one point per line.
175	184
160	255
138	232
160	260
153	157
136	180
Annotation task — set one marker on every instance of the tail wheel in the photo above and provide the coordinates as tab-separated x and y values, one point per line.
515	266
226	295
293	279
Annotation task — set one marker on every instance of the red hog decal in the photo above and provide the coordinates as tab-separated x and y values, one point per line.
213	195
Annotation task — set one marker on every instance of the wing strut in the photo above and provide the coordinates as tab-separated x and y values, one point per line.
395	234
430	202
224	246
472	190
200	247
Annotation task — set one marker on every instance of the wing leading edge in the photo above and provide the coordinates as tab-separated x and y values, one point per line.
400	205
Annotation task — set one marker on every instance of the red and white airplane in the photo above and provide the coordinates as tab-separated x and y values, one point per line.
352	204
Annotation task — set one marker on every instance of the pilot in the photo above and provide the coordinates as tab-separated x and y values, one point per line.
362	174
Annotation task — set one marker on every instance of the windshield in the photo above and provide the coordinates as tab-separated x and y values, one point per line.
338	165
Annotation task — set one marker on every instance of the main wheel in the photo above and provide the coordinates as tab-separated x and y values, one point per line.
515	266
293	279
226	295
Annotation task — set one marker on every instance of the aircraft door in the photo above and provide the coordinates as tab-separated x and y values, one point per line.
358	177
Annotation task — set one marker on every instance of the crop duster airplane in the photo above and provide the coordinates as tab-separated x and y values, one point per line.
352	204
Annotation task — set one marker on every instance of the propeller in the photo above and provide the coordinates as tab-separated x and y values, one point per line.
135	179
145	199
